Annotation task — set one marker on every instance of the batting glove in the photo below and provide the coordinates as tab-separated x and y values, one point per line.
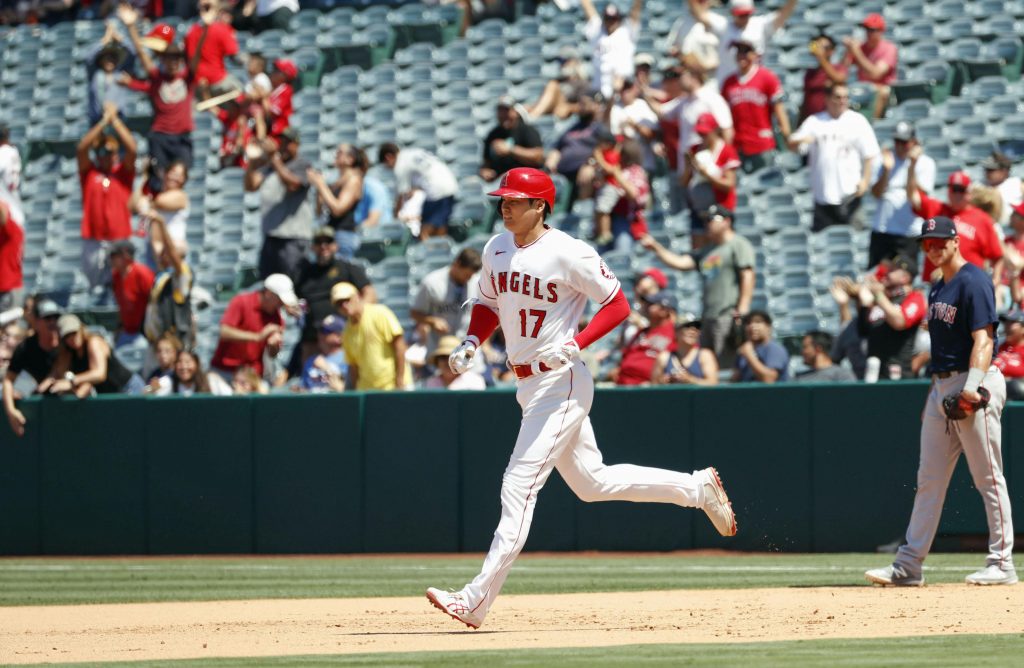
461	358
555	355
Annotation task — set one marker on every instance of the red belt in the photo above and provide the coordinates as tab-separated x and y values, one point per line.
524	371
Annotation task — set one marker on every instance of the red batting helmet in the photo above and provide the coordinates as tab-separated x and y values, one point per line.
526	182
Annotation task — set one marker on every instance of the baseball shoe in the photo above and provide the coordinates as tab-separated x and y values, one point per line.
716	503
992	575
895	575
452	604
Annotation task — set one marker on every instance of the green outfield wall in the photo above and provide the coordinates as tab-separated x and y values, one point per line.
808	467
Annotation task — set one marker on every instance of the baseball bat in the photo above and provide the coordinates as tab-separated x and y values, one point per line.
216	101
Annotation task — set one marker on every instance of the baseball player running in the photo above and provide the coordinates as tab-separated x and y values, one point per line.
962	414
535	284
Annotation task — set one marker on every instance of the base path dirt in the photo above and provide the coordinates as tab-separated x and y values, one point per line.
151	631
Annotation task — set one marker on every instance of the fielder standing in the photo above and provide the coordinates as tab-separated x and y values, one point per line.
535	284
961	322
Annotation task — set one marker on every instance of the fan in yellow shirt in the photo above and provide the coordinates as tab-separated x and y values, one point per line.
373	341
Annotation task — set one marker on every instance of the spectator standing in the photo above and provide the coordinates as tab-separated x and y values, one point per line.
572	154
85	364
671	89
979	242
317	277
173	206
12	248
35	356
326	370
336	203
876	60
106	184
842	149
814	349
170	88
689	363
819	80
754	95
236	132
640	355
849	345
511	143
626	192
277	106
131	283
997	175
1009	357
632	118
888	316
613	43
1014	244
169	308
287	224
10	163
416	169
709	174
250	320
446	379
377	205
374	342
760	359
726	266
688	36
259	15
745	26
439	306
894	228
217	37
187	378
103	67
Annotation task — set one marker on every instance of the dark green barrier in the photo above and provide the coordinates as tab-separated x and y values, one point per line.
809	468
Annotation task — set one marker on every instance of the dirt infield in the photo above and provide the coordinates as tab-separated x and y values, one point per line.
149	631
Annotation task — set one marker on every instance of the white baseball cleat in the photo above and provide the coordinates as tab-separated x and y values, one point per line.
716	504
992	575
895	576
454	605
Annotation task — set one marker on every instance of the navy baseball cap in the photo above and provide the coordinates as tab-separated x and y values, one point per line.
939	227
907	264
1016	315
714	211
332	324
662	298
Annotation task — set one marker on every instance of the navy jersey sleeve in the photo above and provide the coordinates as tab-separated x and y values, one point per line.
981	302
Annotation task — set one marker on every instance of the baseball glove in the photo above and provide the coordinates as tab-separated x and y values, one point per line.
957	408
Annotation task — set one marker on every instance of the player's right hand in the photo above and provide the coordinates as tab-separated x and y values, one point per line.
461	358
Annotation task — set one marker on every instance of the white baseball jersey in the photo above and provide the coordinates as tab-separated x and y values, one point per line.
541	290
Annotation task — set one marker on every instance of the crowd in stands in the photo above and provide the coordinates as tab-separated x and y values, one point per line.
706	111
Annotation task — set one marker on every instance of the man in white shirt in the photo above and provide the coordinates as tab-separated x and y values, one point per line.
997	175
10	162
842	149
895	228
690	36
613	42
416	169
633	118
744	27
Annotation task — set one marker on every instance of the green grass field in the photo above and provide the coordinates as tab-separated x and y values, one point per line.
73	581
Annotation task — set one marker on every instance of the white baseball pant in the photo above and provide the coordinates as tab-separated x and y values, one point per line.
979	438
556	433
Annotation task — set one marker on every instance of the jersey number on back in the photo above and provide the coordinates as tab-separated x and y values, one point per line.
539	320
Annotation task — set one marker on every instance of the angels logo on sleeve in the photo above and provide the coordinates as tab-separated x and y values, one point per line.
606	272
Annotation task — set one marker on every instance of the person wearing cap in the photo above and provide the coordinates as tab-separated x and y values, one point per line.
690	36
35	356
374	342
754	95
894	227
217	36
843	149
818	80
106	183
876	60
103	64
756	29
979	242
511	143
416	169
815	347
643	63
281	177
1011	188
573	152
318	276
1009	358
169	305
709	175
326	370
438	307
726	266
86	364
889	312
613	41
250	320
131	283
258	15
961	324
689	363
445	378
632	118
277	107
639	355
562	94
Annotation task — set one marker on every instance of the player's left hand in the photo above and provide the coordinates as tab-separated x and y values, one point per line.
555	355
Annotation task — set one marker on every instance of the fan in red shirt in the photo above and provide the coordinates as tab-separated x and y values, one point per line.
236	132
249	321
278	105
106	190
132	282
754	95
876	60
818	80
12	246
979	240
1010	357
1014	244
219	43
641	354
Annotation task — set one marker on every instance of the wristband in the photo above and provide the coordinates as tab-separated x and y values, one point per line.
974	378
472	339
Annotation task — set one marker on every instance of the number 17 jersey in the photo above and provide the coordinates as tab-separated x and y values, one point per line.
540	290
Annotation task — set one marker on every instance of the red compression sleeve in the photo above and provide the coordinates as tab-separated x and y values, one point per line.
608	318
482	323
